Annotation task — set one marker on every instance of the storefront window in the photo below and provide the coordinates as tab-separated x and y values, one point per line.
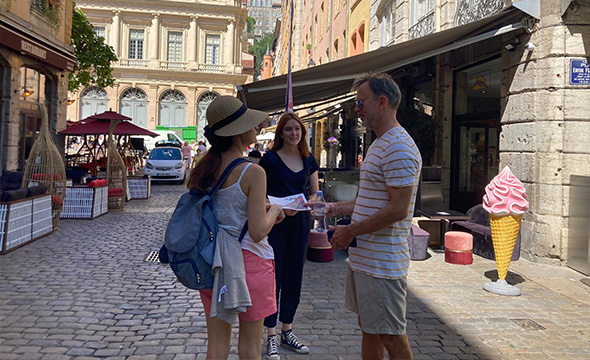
477	89
35	90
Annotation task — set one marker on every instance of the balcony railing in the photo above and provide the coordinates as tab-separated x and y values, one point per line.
49	9
470	11
212	68
424	26
133	63
173	65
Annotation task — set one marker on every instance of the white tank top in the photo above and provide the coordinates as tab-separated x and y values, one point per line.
231	206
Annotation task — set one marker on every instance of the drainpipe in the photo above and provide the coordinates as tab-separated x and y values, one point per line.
311	39
330	33
437	76
346	29
437	13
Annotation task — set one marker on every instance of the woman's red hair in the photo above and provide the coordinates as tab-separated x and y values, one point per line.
278	142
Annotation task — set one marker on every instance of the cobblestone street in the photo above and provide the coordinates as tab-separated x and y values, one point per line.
86	292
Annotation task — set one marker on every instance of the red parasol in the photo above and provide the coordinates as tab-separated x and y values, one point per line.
93	126
110	115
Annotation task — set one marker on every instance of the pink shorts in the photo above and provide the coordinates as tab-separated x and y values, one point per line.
260	277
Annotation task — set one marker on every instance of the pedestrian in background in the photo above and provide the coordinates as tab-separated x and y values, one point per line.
200	151
290	170
186	154
231	127
376	285
255	154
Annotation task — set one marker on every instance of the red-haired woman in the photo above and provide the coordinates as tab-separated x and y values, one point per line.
290	169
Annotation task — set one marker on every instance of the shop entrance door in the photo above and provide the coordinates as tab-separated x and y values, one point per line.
475	155
476	125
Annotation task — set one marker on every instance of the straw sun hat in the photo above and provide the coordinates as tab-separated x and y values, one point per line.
228	116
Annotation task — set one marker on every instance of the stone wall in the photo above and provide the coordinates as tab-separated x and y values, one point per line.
546	124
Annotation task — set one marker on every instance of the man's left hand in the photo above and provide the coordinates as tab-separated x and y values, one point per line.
342	237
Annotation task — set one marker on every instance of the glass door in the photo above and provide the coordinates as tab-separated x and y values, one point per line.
476	127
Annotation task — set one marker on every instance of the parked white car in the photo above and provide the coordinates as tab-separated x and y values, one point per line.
166	164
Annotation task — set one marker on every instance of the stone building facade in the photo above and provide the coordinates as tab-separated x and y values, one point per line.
35	59
266	13
532	117
515	95
174	59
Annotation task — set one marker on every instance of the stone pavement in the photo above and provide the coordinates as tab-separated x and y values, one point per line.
86	292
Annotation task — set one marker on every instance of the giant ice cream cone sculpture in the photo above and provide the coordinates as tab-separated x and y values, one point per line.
505	201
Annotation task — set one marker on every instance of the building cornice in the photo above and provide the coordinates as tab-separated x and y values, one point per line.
186	78
162	7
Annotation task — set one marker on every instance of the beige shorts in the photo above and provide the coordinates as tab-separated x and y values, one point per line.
380	303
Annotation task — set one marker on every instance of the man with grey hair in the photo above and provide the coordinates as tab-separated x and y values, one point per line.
381	219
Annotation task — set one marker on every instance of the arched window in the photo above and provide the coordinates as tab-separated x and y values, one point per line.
203	103
134	104
360	47
172	109
94	100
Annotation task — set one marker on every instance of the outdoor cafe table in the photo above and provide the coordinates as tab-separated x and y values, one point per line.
443	216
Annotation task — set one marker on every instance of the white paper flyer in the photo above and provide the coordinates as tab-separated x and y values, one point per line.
293	202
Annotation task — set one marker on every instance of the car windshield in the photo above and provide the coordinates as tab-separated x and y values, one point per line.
165	154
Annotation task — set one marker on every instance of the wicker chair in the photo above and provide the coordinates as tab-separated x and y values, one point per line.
116	173
45	165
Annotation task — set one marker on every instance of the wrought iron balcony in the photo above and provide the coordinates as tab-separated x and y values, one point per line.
423	26
470	11
49	9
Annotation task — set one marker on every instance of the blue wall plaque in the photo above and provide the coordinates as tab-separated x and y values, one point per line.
579	72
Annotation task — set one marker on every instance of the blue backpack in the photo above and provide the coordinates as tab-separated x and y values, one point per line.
189	244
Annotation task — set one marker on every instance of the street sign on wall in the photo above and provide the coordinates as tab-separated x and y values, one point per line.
579	72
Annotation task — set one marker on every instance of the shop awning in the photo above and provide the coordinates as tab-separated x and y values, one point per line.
335	78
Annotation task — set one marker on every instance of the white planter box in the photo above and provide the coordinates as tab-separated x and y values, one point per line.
23	221
139	187
85	203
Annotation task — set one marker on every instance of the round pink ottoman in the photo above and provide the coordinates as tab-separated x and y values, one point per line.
319	248
458	248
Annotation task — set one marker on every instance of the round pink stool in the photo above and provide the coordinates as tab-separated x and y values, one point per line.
458	248
319	248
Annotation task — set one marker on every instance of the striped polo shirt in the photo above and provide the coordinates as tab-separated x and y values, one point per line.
393	160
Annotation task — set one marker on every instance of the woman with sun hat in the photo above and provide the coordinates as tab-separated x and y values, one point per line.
231	126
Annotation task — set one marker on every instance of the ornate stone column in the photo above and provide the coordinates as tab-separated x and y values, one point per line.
154	43
229	45
116	33
191	46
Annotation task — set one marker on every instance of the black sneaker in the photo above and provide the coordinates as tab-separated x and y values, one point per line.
272	348
289	340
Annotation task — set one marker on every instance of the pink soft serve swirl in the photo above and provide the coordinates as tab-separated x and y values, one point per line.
505	195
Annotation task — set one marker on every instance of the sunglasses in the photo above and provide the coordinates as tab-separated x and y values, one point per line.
361	105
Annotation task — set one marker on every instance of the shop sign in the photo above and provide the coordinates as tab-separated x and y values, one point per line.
579	72
28	46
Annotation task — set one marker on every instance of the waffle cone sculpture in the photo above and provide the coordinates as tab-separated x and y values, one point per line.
504	233
505	201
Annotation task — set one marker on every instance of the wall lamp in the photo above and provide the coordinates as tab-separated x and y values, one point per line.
69	101
512	44
26	93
